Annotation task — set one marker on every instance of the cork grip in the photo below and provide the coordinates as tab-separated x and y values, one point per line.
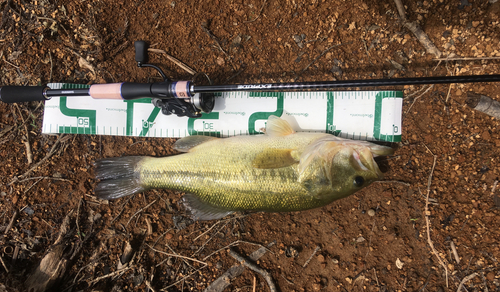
106	91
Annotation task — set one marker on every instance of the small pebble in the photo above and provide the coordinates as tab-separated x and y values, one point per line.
371	212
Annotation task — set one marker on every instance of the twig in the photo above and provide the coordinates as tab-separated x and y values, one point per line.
320	55
254	283
121	211
27	190
468	278
47	156
11	222
260	12
455	253
76	219
427	214
139	211
494	187
309	259
234	243
3	264
117	272
42	177
254	268
176	61
208	230
148	284
51	66
484	104
29	154
176	255
214	38
414	100
466	59
422	37
181	280
376	278
206	242
394	181
223	281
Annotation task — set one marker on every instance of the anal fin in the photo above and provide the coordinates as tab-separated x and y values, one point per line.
200	210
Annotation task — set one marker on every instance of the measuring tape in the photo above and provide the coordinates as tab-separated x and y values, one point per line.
360	115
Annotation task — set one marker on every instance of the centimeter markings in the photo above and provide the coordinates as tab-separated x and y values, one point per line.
307	95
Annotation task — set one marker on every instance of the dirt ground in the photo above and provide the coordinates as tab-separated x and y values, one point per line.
142	243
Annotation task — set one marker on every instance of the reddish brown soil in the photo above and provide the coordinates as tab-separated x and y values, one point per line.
42	41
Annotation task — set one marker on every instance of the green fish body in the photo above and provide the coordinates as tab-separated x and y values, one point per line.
279	171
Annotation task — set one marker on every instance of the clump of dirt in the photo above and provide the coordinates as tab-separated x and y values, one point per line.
376	240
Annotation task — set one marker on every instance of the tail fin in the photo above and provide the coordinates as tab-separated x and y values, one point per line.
119	177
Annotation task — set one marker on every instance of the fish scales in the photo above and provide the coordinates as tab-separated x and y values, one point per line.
221	173
276	172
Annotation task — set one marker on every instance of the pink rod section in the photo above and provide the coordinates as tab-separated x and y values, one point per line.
181	89
106	91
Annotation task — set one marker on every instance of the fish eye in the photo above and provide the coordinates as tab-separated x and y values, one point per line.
359	181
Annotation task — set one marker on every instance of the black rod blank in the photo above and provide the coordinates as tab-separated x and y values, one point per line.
347	83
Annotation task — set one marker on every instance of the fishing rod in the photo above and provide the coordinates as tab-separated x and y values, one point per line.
184	98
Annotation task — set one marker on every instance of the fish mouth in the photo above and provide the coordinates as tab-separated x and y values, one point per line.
364	157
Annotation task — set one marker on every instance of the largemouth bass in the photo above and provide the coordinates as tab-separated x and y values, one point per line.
279	171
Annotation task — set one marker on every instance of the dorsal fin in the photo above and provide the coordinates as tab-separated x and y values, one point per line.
278	127
185	144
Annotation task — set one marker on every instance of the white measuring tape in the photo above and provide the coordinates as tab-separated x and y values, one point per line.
364	115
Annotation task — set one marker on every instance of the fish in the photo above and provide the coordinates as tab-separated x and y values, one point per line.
279	171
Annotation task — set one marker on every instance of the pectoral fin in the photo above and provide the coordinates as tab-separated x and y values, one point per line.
274	158
187	143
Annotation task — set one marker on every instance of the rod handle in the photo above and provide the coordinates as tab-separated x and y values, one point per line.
15	94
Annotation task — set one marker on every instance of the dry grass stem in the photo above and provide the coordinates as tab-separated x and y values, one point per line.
208	230
260	12
467	59
174	60
494	187
224	281
309	259
47	156
113	274
181	280
394	182
11	222
422	37
454	251
265	274
319	56
427	214
416	98
139	211
148	284
3	264
215	39
176	255
234	243
29	154
466	279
